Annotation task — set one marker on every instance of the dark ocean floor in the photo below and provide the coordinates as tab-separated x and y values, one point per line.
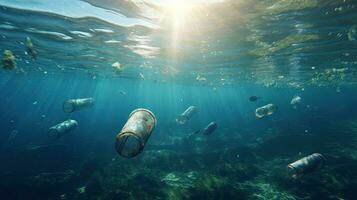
256	170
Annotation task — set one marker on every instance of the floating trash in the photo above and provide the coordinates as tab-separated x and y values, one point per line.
141	75
295	101
306	165
201	78
8	60
30	50
265	110
210	128
122	92
60	129
352	33
117	68
132	138
72	105
186	115
253	98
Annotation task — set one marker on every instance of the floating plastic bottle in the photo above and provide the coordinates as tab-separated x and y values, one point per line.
8	60
306	165
210	128
185	116
352	33
135	133
295	101
60	129
265	110
118	68
30	50
72	105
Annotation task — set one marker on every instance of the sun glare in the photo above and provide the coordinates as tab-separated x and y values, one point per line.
178	9
176	14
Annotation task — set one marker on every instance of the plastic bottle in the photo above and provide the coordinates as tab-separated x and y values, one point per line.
72	105
295	101
265	110
186	115
60	129
135	133
306	165
210	128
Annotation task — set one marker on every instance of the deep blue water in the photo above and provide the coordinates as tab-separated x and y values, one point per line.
219	55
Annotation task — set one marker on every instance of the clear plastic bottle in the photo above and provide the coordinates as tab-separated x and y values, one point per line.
72	105
266	110
60	129
186	115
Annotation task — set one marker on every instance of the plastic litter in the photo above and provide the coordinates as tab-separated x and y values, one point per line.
295	101
132	138
186	115
72	105
61	129
266	110
30	50
306	165
118	68
8	60
210	128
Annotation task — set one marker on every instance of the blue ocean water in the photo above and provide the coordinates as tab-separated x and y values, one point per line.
166	56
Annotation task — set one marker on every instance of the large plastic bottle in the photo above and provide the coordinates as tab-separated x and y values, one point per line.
60	129
306	165
209	128
266	110
135	133
186	115
72	105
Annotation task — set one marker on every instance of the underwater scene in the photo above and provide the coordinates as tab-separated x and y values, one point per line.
178	99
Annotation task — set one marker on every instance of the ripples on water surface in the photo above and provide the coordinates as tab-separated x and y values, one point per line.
275	43
214	54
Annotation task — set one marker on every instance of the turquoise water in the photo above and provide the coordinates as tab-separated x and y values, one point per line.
166	56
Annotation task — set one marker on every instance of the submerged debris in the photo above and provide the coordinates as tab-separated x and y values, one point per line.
117	68
266	110
135	133
332	76
141	75
295	101
210	128
81	190
253	98
122	92
306	165
30	50
72	105
8	60
186	115
201	78
352	33
60	129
